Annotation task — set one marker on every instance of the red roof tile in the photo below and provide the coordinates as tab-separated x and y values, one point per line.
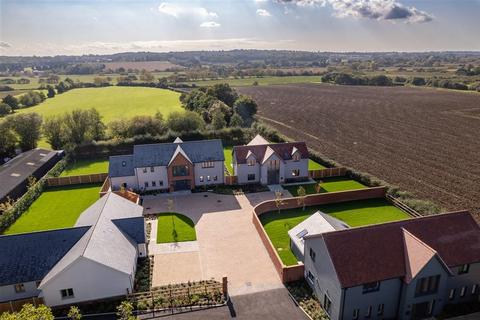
375	253
283	150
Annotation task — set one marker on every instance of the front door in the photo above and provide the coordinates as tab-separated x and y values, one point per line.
273	172
182	185
422	310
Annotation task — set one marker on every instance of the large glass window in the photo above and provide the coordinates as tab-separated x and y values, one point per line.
180	171
251	176
427	285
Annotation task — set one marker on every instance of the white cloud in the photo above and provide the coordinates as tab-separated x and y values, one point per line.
177	10
4	44
391	10
210	24
263	13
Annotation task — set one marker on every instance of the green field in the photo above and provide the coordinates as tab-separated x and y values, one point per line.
112	102
312	165
354	213
80	167
227	152
328	185
56	208
261	81
171	223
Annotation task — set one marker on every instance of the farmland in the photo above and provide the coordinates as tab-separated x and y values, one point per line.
112	102
423	140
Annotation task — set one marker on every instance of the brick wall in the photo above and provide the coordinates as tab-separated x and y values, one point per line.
293	273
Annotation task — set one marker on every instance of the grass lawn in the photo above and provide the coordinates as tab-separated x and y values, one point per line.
56	208
80	167
111	102
354	213
328	185
312	165
227	152
170	221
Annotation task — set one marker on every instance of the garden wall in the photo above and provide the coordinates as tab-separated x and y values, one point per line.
82	179
293	273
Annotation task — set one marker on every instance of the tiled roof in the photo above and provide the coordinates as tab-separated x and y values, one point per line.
283	150
30	256
133	227
121	166
375	253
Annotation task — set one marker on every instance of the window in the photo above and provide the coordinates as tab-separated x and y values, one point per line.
154	183
160	183
295	172
251	176
356	313
371	287
381	307
451	294
251	162
215	178
474	289
208	178
427	285
464	269
19	288
152	169
312	254
38	283
310	276
326	303
146	184
274	164
201	178
463	290
180	171
144	170
208	164
369	312
66	293
296	157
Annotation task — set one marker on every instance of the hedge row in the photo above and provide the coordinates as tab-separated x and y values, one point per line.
32	194
423	207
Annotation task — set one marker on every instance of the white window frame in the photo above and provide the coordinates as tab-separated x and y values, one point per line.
68	293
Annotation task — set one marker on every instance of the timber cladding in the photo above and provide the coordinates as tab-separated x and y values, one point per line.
296	272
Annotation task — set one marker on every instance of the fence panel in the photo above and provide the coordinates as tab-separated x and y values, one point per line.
327	172
82	179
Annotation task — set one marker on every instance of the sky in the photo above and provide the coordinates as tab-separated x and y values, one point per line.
73	27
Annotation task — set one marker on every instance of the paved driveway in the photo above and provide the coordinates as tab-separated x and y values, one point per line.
228	244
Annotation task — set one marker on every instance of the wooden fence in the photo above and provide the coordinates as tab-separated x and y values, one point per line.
16	305
231	180
328	172
296	272
82	179
397	203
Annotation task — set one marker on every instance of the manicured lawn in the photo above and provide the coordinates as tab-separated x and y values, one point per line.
227	152
56	208
328	185
80	167
312	165
112	102
354	213
169	223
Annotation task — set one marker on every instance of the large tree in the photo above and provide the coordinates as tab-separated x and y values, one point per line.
83	126
54	132
8	140
28	128
185	121
223	92
11	101
246	107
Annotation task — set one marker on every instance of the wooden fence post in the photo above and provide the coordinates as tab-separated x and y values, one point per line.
225	287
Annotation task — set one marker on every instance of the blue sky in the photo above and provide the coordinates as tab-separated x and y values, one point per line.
50	27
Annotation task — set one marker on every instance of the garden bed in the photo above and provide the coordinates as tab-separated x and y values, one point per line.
306	299
85	166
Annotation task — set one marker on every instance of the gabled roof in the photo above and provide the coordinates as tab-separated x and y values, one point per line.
375	253
121	166
268	153
30	256
178	140
160	154
110	239
417	255
178	151
283	150
258	140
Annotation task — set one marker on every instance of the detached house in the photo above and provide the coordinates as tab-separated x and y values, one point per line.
408	269
96	259
169	166
270	163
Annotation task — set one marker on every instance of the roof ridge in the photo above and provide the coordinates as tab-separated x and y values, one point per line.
173	143
40	231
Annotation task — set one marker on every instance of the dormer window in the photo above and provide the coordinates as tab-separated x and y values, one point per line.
296	157
251	162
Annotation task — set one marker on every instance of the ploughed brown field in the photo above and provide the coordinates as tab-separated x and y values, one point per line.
426	141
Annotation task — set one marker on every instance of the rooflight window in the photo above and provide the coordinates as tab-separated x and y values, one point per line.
19	288
371	287
302	233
